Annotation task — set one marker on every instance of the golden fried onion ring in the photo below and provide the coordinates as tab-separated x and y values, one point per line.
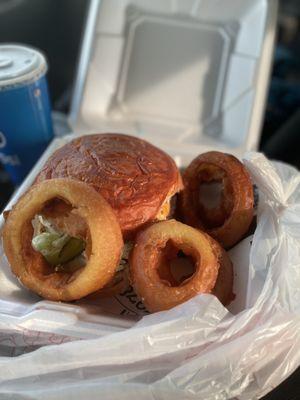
104	241
230	221
146	257
224	283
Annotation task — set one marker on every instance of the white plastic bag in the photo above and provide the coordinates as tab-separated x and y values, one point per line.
198	350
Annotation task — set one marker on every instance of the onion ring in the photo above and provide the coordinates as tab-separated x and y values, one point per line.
230	221
104	241
224	284
146	257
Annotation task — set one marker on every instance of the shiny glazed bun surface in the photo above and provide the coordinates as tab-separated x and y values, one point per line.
134	176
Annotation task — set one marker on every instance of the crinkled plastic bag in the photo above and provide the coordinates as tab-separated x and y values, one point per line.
198	350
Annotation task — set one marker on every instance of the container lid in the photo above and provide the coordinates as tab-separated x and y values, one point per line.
185	75
20	65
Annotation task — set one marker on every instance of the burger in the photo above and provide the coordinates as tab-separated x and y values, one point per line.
138	180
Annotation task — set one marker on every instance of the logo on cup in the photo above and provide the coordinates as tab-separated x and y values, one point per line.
2	140
12	160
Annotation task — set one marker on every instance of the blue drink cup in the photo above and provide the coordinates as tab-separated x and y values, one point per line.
25	113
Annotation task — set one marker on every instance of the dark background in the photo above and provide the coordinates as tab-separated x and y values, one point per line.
56	26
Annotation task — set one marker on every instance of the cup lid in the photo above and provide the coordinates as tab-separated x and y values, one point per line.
20	64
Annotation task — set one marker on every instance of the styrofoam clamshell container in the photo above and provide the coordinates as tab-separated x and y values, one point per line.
186	75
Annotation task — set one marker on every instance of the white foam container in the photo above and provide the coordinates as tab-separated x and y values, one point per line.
186	75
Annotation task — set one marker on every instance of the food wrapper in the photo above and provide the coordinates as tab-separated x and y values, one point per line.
197	350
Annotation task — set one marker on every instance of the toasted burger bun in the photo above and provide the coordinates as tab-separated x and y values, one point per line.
136	178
